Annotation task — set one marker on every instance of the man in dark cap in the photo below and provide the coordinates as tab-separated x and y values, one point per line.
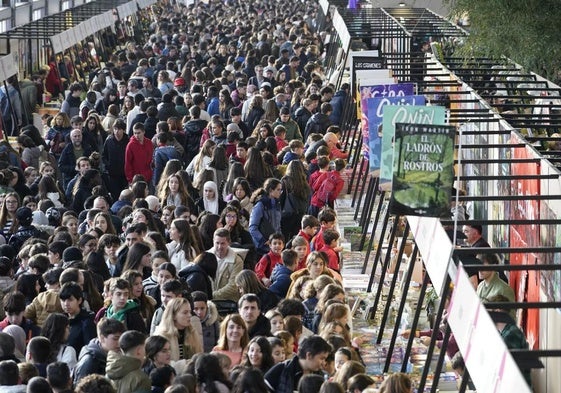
70	256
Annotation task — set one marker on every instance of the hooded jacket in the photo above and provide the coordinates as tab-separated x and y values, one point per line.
197	278
211	327
318	123
126	374
92	360
281	281
138	159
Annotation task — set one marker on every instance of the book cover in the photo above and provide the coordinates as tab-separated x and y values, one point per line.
423	169
403	114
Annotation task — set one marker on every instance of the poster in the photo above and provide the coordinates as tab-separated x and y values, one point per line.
375	107
403	114
372	91
423	169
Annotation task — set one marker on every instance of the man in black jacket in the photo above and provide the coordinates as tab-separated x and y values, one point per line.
193	133
82	327
249	306
113	157
93	357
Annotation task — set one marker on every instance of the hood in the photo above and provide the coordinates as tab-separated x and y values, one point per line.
279	270
211	315
340	93
118	365
94	350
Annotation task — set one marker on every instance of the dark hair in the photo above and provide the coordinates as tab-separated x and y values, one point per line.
208	371
291	307
70	289
199	296
14	303
38	385
58	375
310	383
250	298
54	329
207	261
173	286
131	339
94	383
329	235
9	373
40	349
107	326
289	257
134	257
266	350
250	380
154	344
362	381
161	376
314	345
26	285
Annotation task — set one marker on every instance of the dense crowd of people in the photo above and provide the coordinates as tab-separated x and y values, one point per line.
172	227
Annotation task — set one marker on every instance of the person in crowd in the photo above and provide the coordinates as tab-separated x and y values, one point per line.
233	339
248	283
265	218
124	368
57	330
122	307
229	265
82	327
208	314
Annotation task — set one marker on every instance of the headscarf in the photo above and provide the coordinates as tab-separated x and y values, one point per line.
211	206
19	337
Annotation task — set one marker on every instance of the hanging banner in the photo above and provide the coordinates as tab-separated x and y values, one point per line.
375	107
403	114
423	169
377	90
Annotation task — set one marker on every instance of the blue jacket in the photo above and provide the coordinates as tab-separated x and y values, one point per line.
280	277
265	209
162	154
338	104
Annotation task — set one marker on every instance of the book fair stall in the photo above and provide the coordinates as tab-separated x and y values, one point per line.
433	134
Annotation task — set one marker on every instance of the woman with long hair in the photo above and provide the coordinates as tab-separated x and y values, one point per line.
240	237
263	130
172	167
248	282
210	376
219	166
128	105
294	198
241	192
158	353
256	170
156	241
145	216
316	265
201	274
83	189
207	225
93	133
201	160
176	327
250	380
29	151
147	305
8	220
103	221
271	111
165	84
138	258
56	135
233	338
183	248
259	354
30	285
167	217
265	218
57	329
103	261
256	111
235	171
211	201
48	189
225	104
174	192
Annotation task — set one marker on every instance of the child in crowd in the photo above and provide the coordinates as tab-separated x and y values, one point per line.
158	258
122	307
294	326
327	188
47	302
296	151
327	218
288	341
125	369
39	354
267	263
309	228
280	137
276	320
331	239
208	314
280	278
302	248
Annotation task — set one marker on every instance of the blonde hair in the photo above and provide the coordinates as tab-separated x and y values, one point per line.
192	343
332	313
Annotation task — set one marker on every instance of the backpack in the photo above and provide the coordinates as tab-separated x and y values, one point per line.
326	190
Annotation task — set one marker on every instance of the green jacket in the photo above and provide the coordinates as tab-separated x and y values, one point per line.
126	374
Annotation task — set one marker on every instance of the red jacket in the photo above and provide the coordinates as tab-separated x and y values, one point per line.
332	257
138	159
266	264
331	176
